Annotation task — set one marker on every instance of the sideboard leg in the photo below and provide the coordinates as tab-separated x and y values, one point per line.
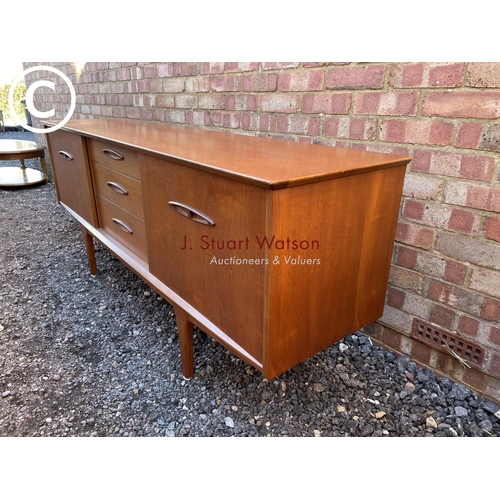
89	245
185	328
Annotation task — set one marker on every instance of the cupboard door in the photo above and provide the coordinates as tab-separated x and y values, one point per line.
70	167
201	237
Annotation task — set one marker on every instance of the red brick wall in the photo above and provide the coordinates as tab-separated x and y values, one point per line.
446	266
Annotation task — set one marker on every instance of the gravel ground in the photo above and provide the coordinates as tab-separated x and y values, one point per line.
99	356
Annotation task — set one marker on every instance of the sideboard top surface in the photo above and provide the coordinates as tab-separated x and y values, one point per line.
271	163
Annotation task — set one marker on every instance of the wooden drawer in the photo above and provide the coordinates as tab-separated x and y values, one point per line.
119	189
125	227
114	156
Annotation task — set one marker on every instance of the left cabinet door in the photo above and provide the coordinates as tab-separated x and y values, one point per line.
70	166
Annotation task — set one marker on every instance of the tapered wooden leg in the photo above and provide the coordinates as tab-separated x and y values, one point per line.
89	245
44	168
185	328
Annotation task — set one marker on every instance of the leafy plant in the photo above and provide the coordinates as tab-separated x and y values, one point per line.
19	93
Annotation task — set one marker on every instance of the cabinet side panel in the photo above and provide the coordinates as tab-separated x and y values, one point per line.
72	173
203	264
335	281
381	218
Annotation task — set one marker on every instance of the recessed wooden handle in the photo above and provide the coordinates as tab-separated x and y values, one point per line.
191	213
114	155
117	188
65	155
122	226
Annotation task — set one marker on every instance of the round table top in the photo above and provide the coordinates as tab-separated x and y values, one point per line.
17	176
13	146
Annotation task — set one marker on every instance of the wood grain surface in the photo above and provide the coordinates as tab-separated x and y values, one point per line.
72	176
268	162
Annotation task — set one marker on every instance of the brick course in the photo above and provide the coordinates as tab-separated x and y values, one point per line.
446	263
357	77
422	186
484	75
431	132
492	228
463	104
386	103
426	75
327	102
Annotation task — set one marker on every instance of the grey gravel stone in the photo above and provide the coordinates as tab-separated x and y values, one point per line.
403	361
459	392
490	406
486	425
390	356
412	366
367	431
445	383
461	411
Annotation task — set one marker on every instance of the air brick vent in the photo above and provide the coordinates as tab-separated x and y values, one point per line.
445	341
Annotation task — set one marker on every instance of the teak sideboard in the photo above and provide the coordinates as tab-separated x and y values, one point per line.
276	249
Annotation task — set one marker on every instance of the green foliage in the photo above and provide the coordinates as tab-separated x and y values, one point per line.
19	93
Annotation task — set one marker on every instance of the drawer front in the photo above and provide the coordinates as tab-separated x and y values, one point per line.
119	189
114	156
71	171
124	226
